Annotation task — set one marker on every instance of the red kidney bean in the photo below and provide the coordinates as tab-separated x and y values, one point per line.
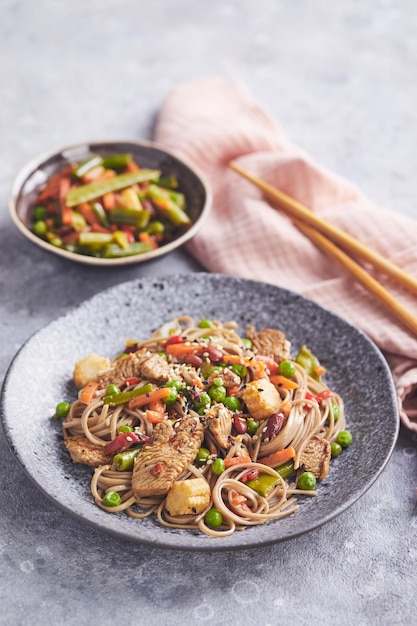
192	359
240	424
274	425
215	355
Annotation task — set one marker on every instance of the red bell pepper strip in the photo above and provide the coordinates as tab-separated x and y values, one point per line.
323	395
124	441
172	340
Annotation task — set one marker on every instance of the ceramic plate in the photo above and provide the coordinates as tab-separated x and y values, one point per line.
356	370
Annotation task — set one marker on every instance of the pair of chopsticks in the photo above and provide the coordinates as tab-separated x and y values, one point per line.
325	236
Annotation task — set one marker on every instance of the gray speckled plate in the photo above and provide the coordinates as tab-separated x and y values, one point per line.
356	369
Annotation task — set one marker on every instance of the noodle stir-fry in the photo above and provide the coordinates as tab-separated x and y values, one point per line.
203	428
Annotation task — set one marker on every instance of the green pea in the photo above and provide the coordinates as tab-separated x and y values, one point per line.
217	466
112	390
233	403
125	428
306	481
203	402
39	213
155	228
202	455
40	228
218	381
62	409
252	425
174	384
247	343
213	518
239	370
112	498
336	411
205	323
287	369
344	438
56	241
335	449
173	396
217	393
212	370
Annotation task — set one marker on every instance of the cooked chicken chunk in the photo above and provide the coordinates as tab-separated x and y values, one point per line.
127	367
270	342
153	367
219	421
156	368
315	457
158	465
261	398
82	450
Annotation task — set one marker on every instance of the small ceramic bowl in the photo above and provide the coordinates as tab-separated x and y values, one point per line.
150	155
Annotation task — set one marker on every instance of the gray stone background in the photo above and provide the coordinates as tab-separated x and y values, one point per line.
341	79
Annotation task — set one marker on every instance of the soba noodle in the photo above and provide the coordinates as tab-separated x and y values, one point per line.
306	412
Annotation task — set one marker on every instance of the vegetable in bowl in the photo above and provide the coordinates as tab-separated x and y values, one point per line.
109	203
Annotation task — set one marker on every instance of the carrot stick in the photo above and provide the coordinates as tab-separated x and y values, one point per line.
231	359
87	394
181	349
109	201
236	460
66	212
282	381
279	457
147	398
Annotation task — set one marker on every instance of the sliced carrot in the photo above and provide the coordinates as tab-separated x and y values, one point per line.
236	460
51	188
148	398
88	213
132	167
282	381
279	457
156	412
87	394
181	349
231	359
109	201
145	237
66	212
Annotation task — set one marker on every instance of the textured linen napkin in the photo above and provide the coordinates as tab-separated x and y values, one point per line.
213	121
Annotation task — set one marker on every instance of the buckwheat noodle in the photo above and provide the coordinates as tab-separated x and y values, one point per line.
306	417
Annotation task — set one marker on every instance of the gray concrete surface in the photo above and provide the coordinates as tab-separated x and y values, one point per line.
341	80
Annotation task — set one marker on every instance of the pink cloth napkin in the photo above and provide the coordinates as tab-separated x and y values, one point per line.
213	121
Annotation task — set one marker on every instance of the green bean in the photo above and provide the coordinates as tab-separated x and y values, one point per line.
161	199
85	166
91	191
125	396
124	460
134	217
114	251
262	484
117	161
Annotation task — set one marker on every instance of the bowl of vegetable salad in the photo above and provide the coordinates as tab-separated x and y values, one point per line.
110	202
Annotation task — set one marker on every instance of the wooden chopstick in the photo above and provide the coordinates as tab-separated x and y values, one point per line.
298	211
372	285
306	226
